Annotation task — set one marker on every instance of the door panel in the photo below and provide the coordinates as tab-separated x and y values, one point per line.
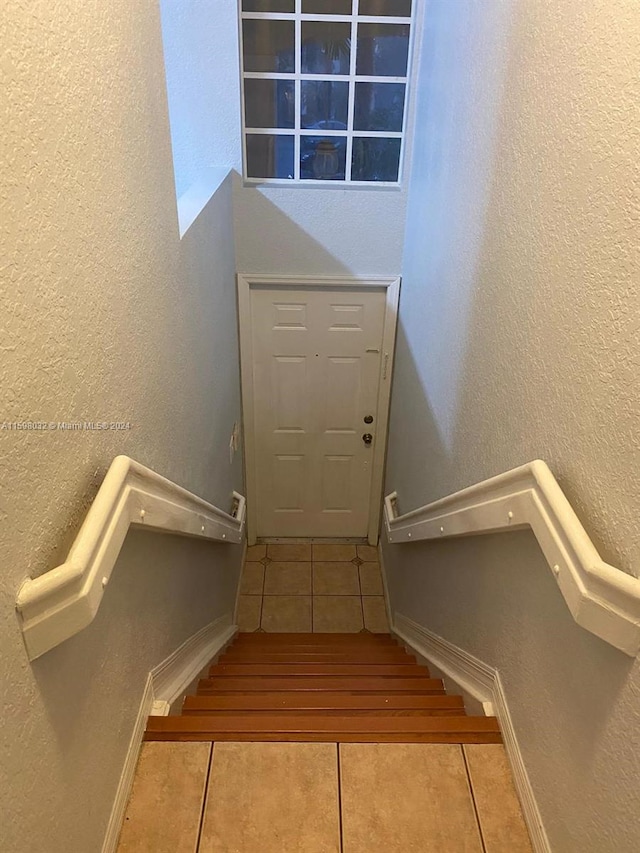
337	476
288	478
341	394
346	318
289	382
316	372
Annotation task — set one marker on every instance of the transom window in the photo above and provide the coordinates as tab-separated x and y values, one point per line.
324	90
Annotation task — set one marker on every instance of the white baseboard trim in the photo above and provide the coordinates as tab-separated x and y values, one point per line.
472	675
245	546
385	586
126	779
539	840
164	685
172	677
483	683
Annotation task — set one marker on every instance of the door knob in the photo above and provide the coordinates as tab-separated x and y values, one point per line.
367	438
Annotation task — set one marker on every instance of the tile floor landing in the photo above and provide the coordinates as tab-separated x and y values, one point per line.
302	588
323	798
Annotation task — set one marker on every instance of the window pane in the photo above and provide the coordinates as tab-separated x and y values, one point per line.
323	159
268	5
269	45
383	50
379	8
326	7
326	47
269	156
375	159
269	103
324	104
379	106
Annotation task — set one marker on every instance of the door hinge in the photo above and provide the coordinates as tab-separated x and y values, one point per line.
386	365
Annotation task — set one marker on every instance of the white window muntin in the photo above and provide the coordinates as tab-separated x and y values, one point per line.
297	77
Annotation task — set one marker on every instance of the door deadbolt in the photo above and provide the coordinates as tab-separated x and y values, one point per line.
368	419
367	438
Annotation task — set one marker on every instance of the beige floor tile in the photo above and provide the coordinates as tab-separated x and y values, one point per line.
335	579
252	579
249	607
286	613
406	798
368	553
289	553
256	552
371	579
337	614
288	579
501	822
163	815
375	614
272	798
343	553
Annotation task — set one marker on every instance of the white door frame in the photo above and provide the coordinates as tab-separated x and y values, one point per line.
392	287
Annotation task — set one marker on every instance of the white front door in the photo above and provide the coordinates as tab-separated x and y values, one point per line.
317	355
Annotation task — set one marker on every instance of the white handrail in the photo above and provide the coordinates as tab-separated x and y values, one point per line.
60	603
601	598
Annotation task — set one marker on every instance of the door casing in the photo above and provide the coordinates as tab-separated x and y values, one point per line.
392	287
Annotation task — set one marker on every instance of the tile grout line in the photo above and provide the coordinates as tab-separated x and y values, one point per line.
312	595
364	624
473	799
204	799
264	585
261	609
341	828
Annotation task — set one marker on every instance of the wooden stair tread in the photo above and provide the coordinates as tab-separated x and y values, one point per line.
353	722
325	688
382	683
332	712
314	635
321	702
339	729
264	639
397	656
329	737
314	648
305	670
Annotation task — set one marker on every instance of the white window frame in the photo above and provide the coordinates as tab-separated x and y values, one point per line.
297	77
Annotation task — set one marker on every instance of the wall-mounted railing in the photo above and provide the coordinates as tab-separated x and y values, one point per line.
601	598
60	603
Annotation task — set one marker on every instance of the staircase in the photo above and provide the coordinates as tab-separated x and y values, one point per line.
334	688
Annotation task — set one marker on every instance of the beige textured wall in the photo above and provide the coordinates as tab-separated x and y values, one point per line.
520	312
519	338
106	316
